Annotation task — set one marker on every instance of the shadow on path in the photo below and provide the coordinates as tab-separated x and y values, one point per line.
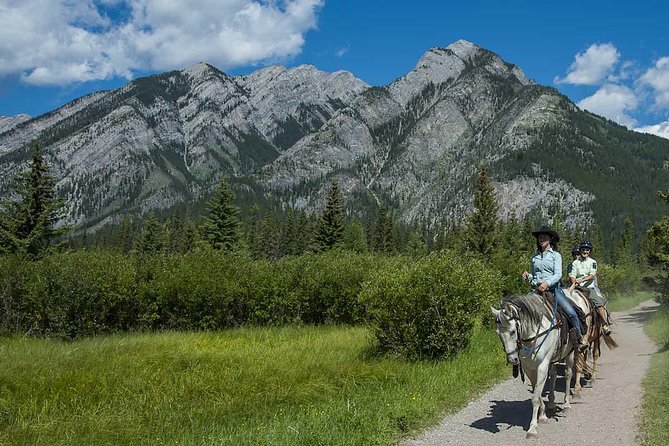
639	316
511	413
507	414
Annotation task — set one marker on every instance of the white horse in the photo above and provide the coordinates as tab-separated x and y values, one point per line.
535	340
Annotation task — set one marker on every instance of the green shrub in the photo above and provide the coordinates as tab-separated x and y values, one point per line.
69	294
618	279
329	284
426	310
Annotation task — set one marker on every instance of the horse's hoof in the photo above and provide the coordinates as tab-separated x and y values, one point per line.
566	408
543	420
576	395
531	435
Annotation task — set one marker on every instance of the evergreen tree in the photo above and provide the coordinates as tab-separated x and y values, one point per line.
481	233
330	229
268	243
305	233
416	246
126	234
221	228
354	238
253	232
658	247
624	246
597	241
28	225
384	232
289	238
153	237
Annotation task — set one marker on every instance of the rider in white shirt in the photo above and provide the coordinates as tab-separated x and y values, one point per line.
584	273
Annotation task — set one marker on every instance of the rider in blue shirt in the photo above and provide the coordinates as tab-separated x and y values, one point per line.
546	272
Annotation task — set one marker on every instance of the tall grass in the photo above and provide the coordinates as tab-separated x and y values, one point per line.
249	386
655	418
623	302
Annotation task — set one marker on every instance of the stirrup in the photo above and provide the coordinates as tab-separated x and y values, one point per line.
606	329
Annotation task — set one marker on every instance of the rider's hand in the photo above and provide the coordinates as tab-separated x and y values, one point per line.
525	275
542	287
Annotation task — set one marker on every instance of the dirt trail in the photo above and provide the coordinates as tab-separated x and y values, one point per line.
605	415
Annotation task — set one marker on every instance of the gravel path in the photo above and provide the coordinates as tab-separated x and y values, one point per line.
606	414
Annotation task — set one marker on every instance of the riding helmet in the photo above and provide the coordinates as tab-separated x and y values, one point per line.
585	244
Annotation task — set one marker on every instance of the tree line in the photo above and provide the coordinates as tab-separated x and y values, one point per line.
29	226
228	268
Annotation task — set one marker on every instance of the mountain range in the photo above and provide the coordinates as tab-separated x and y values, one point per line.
282	135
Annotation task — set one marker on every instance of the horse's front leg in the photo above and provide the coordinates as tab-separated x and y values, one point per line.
551	389
568	372
542	372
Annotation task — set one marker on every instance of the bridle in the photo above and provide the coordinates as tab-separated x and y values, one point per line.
520	342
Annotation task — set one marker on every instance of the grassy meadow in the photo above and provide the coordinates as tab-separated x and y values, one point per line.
250	386
654	421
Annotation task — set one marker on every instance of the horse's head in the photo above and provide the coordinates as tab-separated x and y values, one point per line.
506	323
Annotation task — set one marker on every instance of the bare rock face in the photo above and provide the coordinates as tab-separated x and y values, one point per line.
283	134
9	122
166	139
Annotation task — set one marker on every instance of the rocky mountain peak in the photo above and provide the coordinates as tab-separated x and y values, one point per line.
201	70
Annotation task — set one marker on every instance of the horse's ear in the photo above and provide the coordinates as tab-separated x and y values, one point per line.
495	312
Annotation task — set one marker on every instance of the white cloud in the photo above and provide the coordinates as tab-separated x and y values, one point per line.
613	102
56	42
593	66
661	129
658	78
341	52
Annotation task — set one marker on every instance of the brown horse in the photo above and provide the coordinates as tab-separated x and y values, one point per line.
593	335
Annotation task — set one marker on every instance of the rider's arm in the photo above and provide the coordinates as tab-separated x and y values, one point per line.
531	277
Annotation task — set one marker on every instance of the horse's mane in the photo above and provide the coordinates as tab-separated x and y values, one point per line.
531	305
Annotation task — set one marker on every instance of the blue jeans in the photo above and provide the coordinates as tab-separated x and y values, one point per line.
565	304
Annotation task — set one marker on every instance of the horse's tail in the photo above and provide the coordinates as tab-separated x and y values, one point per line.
610	342
582	364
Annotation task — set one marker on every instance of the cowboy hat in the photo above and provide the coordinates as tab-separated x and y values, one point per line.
547	230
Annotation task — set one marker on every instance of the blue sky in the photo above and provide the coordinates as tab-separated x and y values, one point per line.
609	57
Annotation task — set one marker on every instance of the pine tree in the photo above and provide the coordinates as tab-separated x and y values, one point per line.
126	234
290	244
305	233
330	229
253	231
153	238
354	238
28	225
658	252
624	246
268	243
481	233
415	245
221	228
384	232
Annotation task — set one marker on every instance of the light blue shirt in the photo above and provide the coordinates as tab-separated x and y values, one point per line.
545	268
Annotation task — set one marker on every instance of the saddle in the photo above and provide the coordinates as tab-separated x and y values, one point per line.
583	291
